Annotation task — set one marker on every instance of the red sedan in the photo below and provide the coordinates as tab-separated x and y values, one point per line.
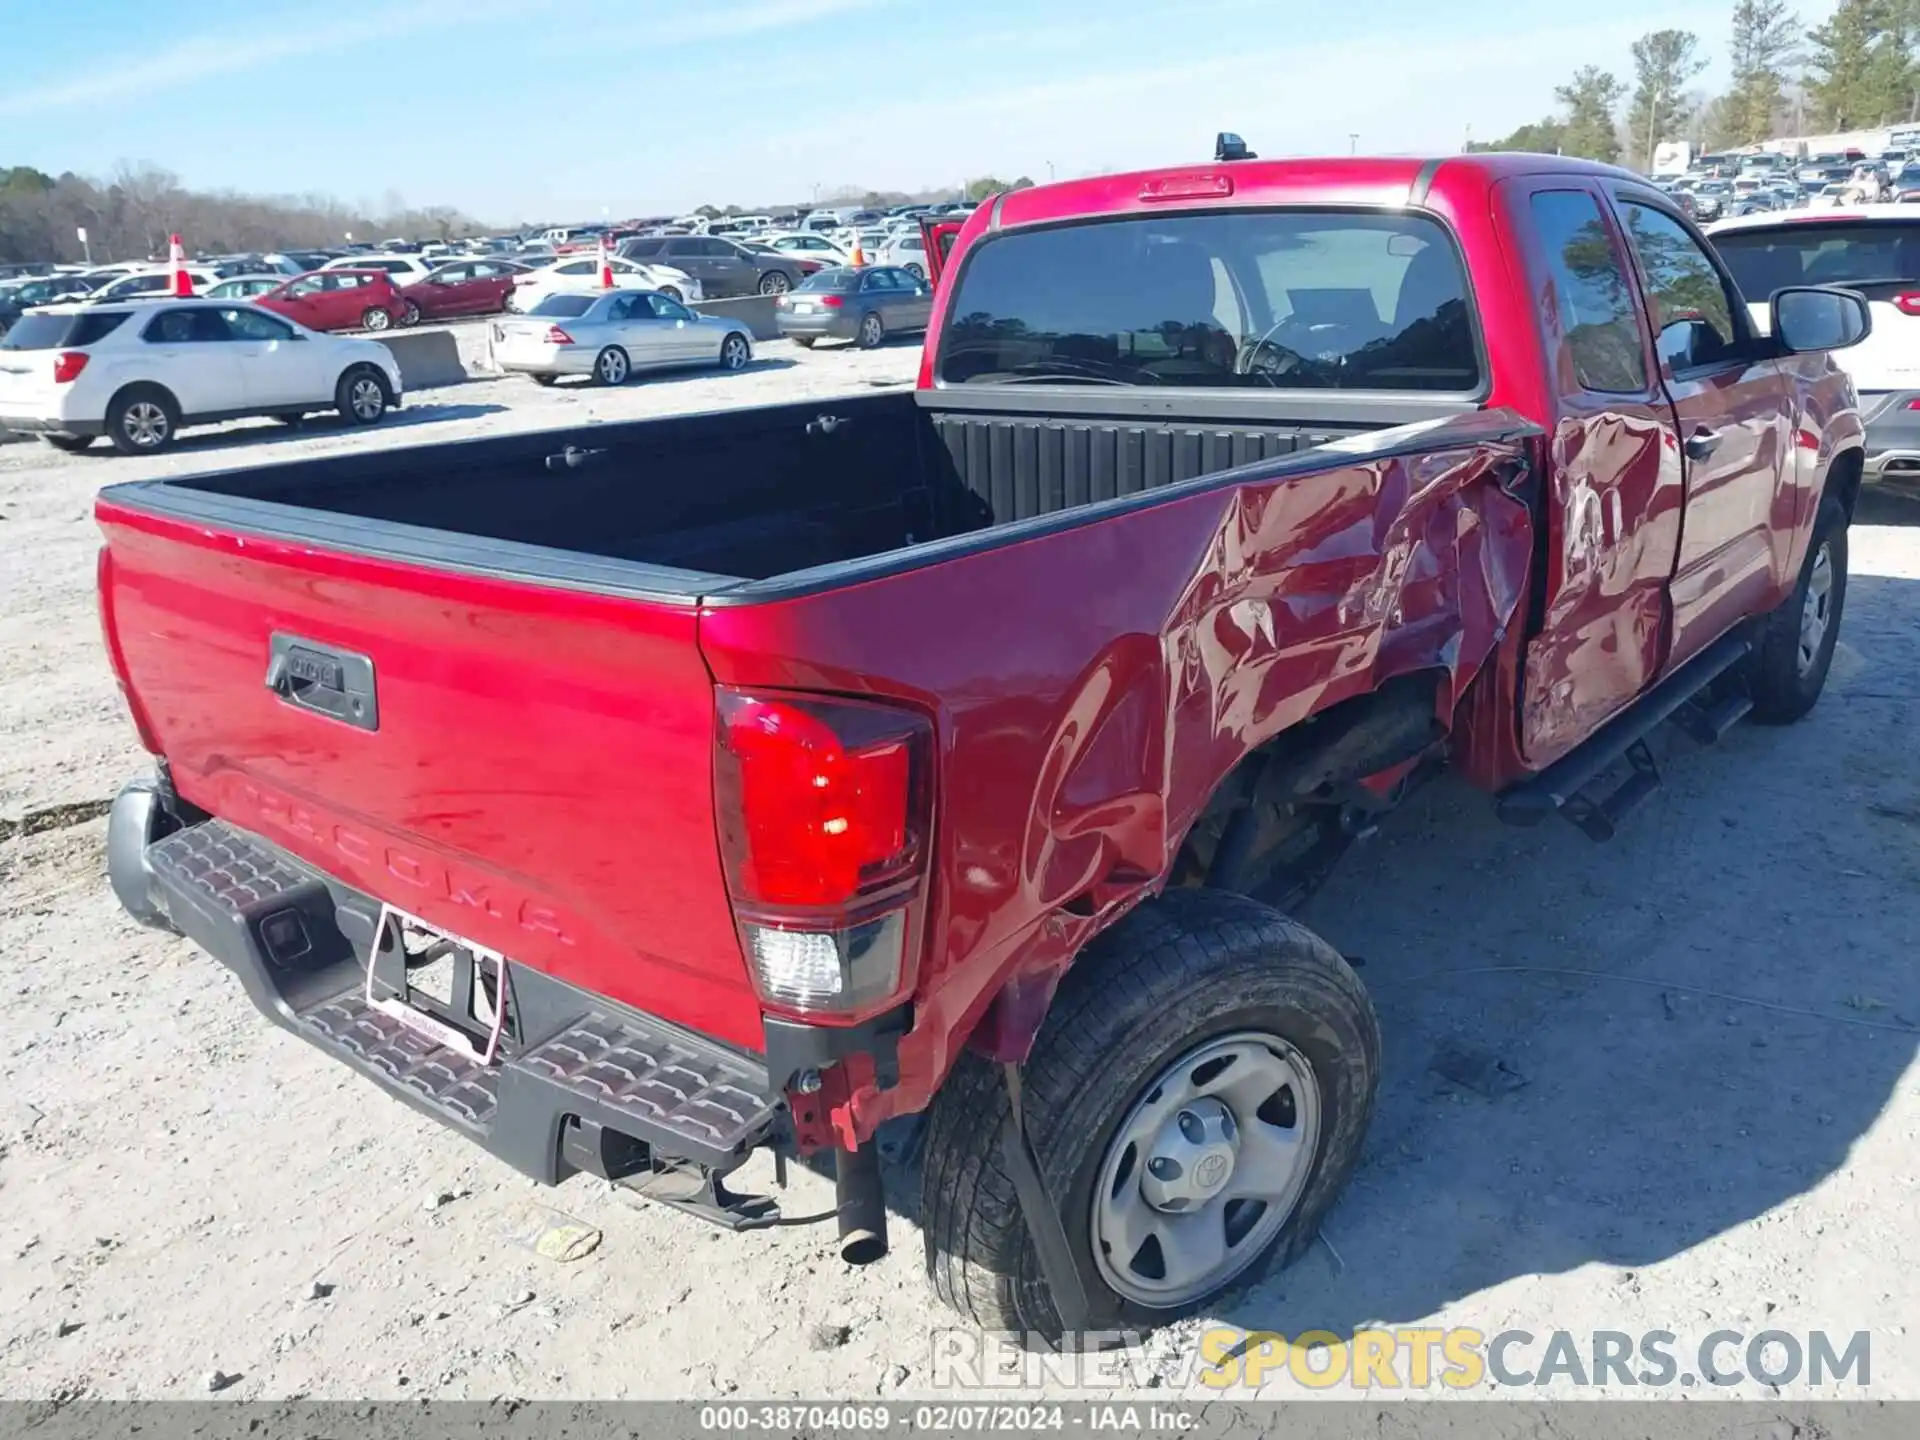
338	300
467	287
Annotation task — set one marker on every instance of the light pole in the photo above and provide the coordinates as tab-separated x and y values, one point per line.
1049	172
1353	142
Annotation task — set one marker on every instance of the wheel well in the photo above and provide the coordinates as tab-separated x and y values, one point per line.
133	387
372	369
1844	476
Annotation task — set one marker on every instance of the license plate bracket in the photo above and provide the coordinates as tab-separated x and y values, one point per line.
436	978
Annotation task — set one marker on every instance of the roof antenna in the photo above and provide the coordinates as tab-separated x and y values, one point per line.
1229	146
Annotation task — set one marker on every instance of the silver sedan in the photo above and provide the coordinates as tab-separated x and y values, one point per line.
610	334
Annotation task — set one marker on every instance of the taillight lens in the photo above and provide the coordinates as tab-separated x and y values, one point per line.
1908	302
67	366
557	336
824	809
832	302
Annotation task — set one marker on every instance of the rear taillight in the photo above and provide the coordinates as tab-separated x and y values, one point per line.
1908	302
832	302
824	808
557	336
67	366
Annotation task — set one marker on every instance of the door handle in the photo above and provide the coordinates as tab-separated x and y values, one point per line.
1702	443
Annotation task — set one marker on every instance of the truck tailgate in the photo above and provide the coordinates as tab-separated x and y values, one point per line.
536	776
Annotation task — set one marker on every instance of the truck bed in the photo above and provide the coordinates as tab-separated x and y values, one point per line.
703	501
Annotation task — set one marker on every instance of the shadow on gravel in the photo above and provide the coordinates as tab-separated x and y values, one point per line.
1706	1013
420	413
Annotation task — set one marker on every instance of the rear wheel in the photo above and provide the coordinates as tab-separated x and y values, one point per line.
735	352
361	396
1789	670
611	367
375	318
410	314
69	444
872	331
143	420
543	379
805	342
915	269
775	282
673	294
1196	1099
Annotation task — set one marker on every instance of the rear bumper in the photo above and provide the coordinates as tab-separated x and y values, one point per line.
832	325
557	360
582	1084
1893	437
52	425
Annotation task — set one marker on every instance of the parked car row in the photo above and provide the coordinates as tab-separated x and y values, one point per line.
138	372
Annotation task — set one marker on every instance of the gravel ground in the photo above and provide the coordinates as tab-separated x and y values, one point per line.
1713	1018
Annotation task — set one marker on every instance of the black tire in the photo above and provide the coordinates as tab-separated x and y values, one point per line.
143	420
294	421
736	351
409	315
805	342
1193	965
1785	686
612	366
672	293
356	395
915	269
775	282
544	379
70	444
873	331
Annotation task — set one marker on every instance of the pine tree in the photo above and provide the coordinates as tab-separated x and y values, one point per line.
1664	63
1591	97
1766	35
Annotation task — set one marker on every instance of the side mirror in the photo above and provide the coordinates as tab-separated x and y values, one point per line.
1813	317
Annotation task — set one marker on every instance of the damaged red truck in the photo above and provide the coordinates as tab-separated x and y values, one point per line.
636	797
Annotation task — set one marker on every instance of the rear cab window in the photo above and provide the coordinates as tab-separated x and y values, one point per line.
61	332
1249	299
837	281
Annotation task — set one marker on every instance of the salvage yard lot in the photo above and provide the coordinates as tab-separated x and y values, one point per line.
1714	1019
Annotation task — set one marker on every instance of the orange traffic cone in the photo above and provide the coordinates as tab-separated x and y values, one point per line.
177	257
606	265
859	255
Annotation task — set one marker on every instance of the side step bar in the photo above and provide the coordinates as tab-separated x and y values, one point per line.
1562	788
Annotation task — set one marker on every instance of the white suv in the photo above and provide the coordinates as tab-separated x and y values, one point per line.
137	372
1874	249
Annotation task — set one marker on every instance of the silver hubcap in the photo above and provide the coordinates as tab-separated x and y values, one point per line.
613	367
1816	611
366	398
377	319
733	354
1205	1170
870	327
146	423
775	284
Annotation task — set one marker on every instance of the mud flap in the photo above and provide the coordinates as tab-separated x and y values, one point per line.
1042	1217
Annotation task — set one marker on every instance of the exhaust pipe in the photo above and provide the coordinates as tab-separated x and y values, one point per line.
861	1201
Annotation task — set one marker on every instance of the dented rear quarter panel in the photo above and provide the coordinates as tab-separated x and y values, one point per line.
1092	685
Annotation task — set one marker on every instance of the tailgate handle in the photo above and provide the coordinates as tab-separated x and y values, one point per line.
328	681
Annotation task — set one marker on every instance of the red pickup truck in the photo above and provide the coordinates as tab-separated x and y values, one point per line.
636	797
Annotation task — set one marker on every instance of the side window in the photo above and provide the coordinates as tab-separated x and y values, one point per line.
1591	292
305	287
1692	313
457	274
177	327
627	307
243	324
669	310
877	280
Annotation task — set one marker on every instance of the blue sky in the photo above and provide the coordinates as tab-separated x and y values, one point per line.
522	110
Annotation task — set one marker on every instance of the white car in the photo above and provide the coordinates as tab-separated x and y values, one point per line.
405	269
139	372
807	244
152	283
582	272
907	249
1874	249
242	287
